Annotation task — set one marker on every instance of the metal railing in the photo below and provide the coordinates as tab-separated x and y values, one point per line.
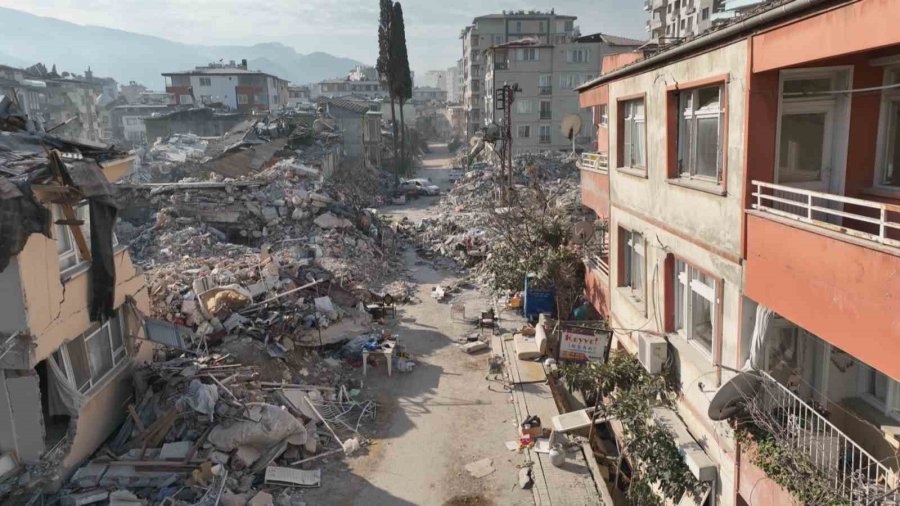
594	161
544	139
827	210
546	115
545	90
851	473
599	262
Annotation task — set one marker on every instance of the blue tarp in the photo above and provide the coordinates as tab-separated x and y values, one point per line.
539	301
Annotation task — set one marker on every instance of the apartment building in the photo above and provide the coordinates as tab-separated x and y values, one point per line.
232	85
748	202
70	304
672	20
497	29
547	75
455	80
360	83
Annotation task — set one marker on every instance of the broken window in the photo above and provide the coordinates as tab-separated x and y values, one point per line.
69	255
700	134
694	305
632	136
632	263
89	358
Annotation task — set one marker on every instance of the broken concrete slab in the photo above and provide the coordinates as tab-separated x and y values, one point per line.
329	220
290	477
475	347
175	451
480	468
86	497
262	498
245	456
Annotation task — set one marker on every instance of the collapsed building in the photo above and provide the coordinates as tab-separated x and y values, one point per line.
67	304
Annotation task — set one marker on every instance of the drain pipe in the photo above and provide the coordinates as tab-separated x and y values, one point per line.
746	24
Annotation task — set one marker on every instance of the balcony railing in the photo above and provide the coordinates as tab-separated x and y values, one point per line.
545	90
546	114
544	139
594	161
851	473
831	212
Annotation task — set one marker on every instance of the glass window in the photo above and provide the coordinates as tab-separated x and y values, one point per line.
523	131
633	134
544	132
700	134
603	112
633	262
801	147
78	360
100	353
524	106
694	305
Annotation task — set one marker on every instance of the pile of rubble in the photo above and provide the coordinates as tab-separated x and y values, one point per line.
169	158
209	431
461	234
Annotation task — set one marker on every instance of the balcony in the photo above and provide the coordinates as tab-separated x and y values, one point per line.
544	139
824	262
594	161
545	90
546	115
809	441
501	65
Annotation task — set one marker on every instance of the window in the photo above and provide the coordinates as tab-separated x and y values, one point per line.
879	390
544	134
568	81
518	27
701	126
528	54
545	84
694	305
632	263
524	106
582	55
242	99
546	109
205	81
889	145
523	131
632	135
704	14
541	26
186	99
603	115
89	358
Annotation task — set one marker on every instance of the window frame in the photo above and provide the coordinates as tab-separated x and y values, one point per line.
603	115
689	117
118	355
890	99
626	263
545	139
625	163
82	212
891	405
205	81
519	131
713	295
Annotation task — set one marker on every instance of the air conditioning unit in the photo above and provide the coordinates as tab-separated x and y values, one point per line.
652	352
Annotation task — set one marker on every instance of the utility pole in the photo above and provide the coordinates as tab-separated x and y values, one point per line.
504	97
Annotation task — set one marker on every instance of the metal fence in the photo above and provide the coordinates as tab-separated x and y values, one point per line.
853	473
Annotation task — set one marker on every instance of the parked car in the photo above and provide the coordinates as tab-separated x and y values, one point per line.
418	186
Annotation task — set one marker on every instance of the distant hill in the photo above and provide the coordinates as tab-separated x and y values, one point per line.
126	56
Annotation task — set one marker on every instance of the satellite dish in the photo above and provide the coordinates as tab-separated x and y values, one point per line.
582	231
729	400
571	126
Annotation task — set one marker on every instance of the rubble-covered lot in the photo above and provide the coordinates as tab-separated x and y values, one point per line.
471	216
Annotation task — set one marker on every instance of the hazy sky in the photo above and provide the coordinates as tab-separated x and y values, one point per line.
341	27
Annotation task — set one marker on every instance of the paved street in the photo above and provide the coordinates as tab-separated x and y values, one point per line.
438	418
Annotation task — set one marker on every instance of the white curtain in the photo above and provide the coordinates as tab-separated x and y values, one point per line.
757	343
64	398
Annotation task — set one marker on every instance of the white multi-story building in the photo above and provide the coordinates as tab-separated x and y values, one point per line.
547	75
496	29
232	85
672	20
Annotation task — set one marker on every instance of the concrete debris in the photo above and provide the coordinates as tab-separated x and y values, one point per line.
480	468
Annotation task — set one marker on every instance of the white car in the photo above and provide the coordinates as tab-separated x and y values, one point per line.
421	186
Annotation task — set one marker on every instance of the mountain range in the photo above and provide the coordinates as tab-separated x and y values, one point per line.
126	56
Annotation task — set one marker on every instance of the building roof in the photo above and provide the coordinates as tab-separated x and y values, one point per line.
523	14
767	13
350	105
219	71
611	40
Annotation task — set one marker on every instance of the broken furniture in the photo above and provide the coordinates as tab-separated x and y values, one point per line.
488	320
387	348
381	309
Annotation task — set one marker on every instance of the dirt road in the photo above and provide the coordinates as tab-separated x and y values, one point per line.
438	418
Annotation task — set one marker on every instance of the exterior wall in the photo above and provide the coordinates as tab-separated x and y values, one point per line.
833	287
351	124
12	306
711	219
595	191
698	227
221	89
678	19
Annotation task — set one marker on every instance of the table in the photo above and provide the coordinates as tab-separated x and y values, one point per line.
387	349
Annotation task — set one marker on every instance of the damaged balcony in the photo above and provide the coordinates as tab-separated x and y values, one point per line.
824	261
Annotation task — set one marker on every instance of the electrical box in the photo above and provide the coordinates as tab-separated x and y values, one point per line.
652	352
